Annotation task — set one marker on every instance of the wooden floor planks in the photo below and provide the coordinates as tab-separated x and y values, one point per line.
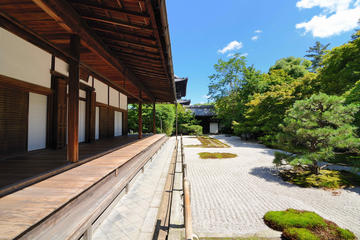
24	208
21	167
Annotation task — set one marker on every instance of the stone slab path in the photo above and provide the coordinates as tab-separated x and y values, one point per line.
230	196
134	216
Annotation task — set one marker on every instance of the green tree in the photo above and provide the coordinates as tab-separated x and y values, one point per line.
231	86
164	118
316	54
314	127
341	68
294	67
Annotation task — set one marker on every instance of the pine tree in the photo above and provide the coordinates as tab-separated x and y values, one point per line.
316	54
314	127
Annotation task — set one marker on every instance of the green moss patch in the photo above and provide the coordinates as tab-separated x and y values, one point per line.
249	238
304	225
328	179
208	155
208	142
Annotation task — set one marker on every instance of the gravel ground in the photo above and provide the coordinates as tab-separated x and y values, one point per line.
230	196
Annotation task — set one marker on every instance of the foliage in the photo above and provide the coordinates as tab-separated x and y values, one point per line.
208	142
304	225
164	118
294	67
340	69
327	179
299	233
316	54
208	155
185	128
314	127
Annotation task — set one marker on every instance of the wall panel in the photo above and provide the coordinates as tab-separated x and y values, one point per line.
22	60
101	90
13	121
37	121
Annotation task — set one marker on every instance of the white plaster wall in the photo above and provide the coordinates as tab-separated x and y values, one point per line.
101	90
97	117
24	61
123	101
89	82
82	122
214	128
82	93
114	97
61	66
118	123
37	121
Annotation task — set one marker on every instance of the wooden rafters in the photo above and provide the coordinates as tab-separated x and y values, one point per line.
161	44
68	18
118	23
110	9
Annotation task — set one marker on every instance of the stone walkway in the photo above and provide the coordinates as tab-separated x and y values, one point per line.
134	216
230	196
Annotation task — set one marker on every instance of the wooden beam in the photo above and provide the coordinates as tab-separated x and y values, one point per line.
145	58
110	9
131	49
123	34
61	9
118	23
126	42
73	107
6	81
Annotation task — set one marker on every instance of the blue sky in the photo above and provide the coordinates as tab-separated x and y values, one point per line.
200	29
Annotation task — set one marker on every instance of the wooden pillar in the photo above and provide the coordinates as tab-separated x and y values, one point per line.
90	114
60	107
154	118
73	108
140	120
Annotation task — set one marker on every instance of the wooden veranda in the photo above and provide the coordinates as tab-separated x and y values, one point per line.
66	205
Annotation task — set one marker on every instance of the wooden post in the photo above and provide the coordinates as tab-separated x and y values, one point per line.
187	204
140	120
73	107
91	103
154	118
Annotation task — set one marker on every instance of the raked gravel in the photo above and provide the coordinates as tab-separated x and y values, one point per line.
230	196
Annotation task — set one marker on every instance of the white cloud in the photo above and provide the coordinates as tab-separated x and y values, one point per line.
254	38
329	5
244	55
260	31
338	16
234	45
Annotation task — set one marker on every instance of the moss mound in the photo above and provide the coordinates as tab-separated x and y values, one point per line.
208	142
304	225
328	179
208	155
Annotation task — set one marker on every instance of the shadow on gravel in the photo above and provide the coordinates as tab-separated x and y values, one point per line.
270	175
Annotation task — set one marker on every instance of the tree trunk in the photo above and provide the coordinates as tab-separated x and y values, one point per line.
316	168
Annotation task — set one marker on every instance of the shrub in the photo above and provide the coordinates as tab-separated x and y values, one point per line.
316	126
190	129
